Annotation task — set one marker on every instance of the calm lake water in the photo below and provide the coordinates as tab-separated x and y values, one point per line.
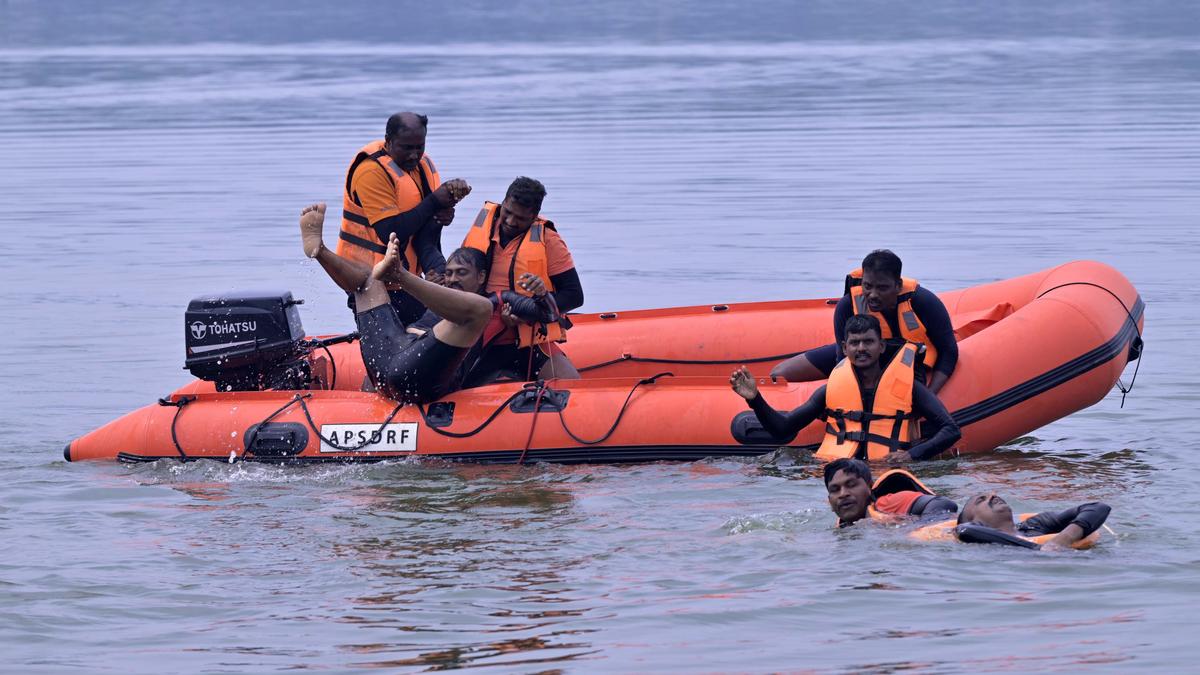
152	152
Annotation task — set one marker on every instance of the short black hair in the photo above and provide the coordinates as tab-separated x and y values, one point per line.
469	256
883	261
855	467
861	323
527	192
399	122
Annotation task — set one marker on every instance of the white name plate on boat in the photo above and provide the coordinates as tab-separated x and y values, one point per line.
392	438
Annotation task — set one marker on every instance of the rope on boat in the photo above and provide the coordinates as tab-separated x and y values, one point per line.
717	362
178	405
616	422
1138	345
374	438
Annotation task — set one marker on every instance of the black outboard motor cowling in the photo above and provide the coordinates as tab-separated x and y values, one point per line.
247	341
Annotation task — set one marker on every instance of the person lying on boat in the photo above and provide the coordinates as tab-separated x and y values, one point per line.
896	496
466	270
906	311
403	366
392	187
870	408
987	518
525	254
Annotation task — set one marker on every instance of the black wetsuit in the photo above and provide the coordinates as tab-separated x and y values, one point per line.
785	426
928	308
420	369
479	366
1089	517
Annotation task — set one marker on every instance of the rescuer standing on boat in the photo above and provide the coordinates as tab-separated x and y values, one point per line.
392	187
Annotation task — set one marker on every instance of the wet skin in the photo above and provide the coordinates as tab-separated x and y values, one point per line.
990	510
849	496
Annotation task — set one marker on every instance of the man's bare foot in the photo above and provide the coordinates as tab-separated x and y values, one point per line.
391	268
312	220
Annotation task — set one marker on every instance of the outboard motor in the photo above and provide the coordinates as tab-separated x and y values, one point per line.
247	341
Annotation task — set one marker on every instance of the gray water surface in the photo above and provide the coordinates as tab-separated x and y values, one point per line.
152	152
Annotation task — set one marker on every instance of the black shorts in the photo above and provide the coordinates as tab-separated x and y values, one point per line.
407	307
403	366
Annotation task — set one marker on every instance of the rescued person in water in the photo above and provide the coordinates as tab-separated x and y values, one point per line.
870	408
987	518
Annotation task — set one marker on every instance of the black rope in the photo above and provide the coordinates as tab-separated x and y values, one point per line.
254	434
481	427
620	414
374	438
332	367
1140	346
324	344
716	362
178	405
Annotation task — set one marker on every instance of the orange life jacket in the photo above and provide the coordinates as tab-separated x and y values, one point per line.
911	328
894	493
358	240
851	431
530	257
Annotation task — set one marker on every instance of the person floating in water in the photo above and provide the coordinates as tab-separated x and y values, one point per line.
988	519
897	495
405	367
906	311
392	187
870	410
466	270
525	254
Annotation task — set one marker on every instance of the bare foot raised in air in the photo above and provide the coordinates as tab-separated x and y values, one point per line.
391	268
312	219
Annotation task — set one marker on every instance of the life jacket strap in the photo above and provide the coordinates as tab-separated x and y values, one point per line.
363	243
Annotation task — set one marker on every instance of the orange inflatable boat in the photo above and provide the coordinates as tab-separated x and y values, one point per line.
655	385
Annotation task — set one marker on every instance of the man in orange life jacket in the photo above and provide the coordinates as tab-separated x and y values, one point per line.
870	412
853	495
391	187
466	270
987	518
525	254
906	310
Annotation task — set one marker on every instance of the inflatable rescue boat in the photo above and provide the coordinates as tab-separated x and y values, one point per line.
1032	349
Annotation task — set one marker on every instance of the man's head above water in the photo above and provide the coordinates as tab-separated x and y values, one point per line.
848	484
989	510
